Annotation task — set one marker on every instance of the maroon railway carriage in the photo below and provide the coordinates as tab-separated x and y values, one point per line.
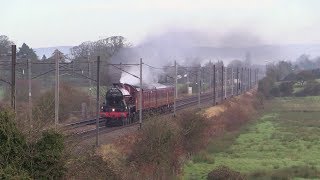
122	101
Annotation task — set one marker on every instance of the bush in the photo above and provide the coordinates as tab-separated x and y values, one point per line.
312	88
12	142
42	159
154	150
235	118
223	172
258	102
10	172
43	110
114	160
192	126
286	89
47	157
275	91
91	166
265	85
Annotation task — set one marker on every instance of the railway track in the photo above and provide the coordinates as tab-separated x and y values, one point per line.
102	130
181	104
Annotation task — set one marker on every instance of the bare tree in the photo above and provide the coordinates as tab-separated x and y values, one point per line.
5	44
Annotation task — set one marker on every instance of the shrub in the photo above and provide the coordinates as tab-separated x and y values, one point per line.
154	150
192	126
265	85
113	158
237	115
10	172
91	166
312	88
286	88
275	91
223	172
47	157
43	109
268	88
258	102
12	142
304	76
42	159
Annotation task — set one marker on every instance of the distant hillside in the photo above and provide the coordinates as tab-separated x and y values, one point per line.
47	51
260	54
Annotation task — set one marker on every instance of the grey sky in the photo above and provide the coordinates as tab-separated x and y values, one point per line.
42	23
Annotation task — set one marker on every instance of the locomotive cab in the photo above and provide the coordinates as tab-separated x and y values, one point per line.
115	109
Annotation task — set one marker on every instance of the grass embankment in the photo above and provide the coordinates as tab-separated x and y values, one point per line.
284	143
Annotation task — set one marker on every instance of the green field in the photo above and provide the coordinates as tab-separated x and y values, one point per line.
285	140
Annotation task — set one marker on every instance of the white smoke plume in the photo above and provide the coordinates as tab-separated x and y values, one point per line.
148	77
188	48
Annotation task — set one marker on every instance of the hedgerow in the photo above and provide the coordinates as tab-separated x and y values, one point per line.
19	159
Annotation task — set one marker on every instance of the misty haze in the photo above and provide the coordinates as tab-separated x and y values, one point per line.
179	89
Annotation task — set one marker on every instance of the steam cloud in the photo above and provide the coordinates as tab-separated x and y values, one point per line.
187	47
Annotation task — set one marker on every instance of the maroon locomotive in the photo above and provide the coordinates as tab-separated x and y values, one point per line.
122	101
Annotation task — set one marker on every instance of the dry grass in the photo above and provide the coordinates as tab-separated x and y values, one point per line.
215	111
164	143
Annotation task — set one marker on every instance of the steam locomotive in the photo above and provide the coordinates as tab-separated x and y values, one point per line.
122	102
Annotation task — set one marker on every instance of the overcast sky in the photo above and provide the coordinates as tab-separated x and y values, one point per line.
43	23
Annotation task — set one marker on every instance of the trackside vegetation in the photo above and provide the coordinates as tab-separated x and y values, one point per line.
164	144
21	159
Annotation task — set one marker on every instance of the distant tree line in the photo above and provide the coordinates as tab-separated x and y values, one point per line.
285	79
275	72
304	62
111	49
